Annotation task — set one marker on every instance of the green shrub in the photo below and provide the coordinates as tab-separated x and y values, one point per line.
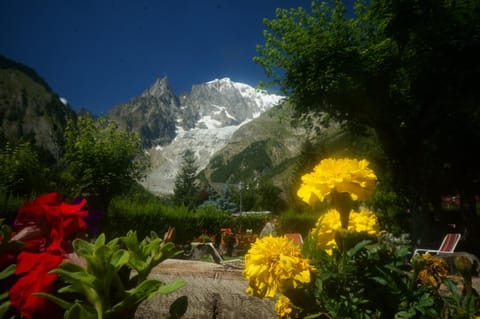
143	216
292	221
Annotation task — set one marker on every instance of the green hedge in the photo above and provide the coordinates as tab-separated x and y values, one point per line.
126	214
292	221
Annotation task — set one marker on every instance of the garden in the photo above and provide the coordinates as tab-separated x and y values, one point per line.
80	237
53	267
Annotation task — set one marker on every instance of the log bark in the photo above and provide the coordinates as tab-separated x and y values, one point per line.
214	291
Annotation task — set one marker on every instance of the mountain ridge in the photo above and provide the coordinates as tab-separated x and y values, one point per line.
31	111
206	119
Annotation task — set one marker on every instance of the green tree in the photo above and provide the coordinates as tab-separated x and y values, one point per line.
268	197
20	171
186	188
406	69
100	160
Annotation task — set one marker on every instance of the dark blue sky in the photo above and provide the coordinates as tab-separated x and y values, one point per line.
98	53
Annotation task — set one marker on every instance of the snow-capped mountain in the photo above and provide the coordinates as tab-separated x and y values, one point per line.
222	102
206	118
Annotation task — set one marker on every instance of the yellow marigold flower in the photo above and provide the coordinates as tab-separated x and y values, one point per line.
434	271
328	224
273	264
345	175
283	307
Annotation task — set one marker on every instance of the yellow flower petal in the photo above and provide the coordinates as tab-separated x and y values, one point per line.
345	175
328	224
273	264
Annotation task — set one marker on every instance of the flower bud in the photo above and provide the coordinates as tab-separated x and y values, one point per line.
463	265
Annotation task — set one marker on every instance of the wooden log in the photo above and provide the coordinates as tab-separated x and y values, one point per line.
214	291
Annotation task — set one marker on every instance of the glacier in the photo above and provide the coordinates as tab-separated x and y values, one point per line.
209	135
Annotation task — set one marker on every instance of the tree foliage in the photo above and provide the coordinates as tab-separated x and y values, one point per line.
186	188
20	171
101	160
406	69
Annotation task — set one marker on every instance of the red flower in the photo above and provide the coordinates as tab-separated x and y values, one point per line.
226	231
47	226
32	269
51	224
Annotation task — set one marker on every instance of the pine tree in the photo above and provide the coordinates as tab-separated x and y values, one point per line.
185	191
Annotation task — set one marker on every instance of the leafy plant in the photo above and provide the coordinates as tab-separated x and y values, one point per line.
7	247
460	306
369	280
111	279
100	160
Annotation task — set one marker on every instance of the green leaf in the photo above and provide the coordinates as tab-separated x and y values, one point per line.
4	308
82	247
353	251
3	296
78	311
178	307
71	267
120	258
145	289
73	277
137	263
380	280
7	271
100	241
59	301
171	287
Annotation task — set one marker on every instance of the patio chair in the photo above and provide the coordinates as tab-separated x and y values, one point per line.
448	245
209	248
295	237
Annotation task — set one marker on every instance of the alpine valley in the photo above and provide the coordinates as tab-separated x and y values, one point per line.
216	120
237	132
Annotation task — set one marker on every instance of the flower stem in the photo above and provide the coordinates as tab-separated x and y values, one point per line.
343	204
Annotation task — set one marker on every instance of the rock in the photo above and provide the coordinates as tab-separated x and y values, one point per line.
213	291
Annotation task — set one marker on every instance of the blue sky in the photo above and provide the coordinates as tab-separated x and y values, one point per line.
99	53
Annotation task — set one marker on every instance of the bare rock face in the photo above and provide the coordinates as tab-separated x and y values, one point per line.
213	290
152	114
30	110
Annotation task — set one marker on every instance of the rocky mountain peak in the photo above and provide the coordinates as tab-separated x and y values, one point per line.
152	114
158	89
